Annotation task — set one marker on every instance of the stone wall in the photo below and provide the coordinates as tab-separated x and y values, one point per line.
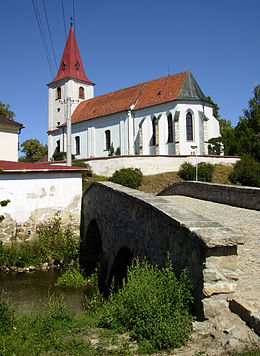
151	226
152	164
243	197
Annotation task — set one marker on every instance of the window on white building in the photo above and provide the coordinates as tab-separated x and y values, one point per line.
77	144
81	93
170	132
58	146
154	131
58	93
108	139
189	127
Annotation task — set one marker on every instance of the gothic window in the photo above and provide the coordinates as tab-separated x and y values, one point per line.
154	131
58	93
77	144
170	132
81	93
108	139
58	146
189	127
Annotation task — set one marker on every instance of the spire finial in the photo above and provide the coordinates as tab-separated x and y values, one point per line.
71	21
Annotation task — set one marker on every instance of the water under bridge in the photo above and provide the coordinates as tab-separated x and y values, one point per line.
212	230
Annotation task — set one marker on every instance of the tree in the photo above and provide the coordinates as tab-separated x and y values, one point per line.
33	150
4	110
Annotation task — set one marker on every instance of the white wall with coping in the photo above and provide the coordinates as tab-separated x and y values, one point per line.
8	144
106	166
36	197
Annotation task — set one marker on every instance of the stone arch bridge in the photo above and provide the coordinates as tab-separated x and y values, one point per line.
122	223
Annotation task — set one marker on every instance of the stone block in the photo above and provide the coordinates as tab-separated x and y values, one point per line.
218	288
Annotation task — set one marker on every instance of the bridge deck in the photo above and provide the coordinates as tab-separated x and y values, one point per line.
244	221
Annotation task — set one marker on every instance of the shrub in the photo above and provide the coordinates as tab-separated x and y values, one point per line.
85	174
60	156
71	278
205	172
152	305
118	151
246	172
129	177
6	316
51	243
188	172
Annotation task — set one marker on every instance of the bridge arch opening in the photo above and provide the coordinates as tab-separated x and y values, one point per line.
91	251
122	260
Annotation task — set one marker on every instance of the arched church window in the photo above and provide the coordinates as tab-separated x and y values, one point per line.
154	131
58	93
77	144
170	132
58	146
189	127
81	93
108	139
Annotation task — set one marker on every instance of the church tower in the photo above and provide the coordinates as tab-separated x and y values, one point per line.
71	81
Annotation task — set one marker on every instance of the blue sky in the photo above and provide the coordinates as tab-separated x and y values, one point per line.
123	43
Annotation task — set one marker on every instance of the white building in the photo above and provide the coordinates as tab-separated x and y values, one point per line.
9	131
36	194
165	116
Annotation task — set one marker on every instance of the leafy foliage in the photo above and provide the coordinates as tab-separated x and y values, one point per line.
87	173
118	151
72	278
6	316
246	172
112	150
188	172
160	315
5	111
33	150
51	243
129	177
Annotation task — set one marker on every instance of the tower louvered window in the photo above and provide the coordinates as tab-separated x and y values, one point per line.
81	93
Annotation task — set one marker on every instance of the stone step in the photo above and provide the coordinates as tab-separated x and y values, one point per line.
247	311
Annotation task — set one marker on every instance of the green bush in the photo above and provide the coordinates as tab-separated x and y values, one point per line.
60	156
71	278
188	172
205	172
51	243
87	173
153	305
6	316
129	177
246	172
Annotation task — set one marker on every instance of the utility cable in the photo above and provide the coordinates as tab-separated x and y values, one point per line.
63	19
43	1
36	11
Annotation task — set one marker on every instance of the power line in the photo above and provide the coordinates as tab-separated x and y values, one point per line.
63	19
36	11
43	1
74	17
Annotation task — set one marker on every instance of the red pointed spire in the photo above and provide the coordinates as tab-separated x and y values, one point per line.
71	65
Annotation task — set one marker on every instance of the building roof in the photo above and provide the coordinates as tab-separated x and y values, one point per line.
71	64
180	86
25	167
5	121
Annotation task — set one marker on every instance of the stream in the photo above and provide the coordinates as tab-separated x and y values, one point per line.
28	291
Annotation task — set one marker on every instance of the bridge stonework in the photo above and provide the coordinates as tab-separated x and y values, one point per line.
116	218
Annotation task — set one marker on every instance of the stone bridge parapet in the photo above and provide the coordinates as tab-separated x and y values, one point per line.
117	218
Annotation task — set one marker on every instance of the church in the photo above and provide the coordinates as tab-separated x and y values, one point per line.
164	116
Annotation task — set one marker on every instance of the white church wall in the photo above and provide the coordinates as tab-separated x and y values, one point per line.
8	144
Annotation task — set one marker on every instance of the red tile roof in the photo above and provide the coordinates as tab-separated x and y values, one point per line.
71	64
142	95
5	121
25	167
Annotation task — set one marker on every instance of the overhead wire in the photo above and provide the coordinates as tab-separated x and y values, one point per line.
74	16
47	21
36	11
62	5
